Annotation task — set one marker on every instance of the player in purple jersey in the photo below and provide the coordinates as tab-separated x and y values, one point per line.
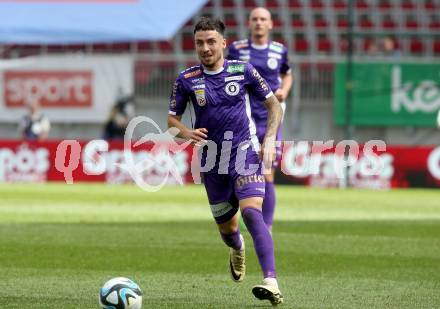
271	61
219	91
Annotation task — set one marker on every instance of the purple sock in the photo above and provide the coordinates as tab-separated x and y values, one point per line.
269	204
232	240
253	218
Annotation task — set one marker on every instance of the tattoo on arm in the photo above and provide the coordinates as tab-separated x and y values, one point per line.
274	116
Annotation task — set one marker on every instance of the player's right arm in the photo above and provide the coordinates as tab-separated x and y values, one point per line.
178	100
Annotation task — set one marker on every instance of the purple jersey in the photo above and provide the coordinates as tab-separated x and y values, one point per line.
221	101
270	60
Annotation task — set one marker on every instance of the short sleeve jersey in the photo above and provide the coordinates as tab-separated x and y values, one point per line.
270	60
221	99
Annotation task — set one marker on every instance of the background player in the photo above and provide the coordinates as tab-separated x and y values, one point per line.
271	60
218	90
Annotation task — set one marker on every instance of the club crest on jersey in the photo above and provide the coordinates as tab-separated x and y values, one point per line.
200	97
272	63
232	88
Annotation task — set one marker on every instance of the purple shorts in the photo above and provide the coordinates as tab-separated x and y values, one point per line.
224	191
261	131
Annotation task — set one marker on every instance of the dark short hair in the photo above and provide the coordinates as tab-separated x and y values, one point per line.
207	23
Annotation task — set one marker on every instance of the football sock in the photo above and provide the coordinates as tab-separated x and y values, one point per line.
253	218
232	240
269	204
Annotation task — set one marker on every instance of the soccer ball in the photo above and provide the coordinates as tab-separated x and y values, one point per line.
120	293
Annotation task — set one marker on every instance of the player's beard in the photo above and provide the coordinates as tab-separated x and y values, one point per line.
211	62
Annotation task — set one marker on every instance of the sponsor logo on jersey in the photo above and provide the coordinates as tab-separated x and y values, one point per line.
276	47
200	86
200	97
198	80
272	63
235	68
173	96
245	180
236	77
232	88
274	55
260	80
193	73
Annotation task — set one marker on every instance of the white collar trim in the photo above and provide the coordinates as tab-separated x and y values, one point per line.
256	46
213	72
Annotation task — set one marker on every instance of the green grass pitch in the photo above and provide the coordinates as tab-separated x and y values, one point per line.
334	248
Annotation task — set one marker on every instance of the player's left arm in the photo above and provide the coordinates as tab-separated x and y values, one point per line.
286	84
286	78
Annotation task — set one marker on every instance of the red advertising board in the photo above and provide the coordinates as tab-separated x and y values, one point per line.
97	160
48	88
102	161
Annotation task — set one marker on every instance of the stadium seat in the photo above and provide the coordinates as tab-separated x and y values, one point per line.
316	4
436	47
365	22
362	5
416	46
250	4
369	45
388	22
411	23
144	46
294	4
165	47
320	22
272	4
434	24
343	44
230	20
430	5
301	45
324	45
342	22
385	5
187	43
408	5
339	5
297	21
228	4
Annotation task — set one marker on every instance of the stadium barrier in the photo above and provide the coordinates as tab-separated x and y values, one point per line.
102	161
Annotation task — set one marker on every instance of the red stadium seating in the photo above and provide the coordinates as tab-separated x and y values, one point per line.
316	4
411	23
342	22
365	22
388	23
416	46
320	22
165	47
187	43
361	5
408	5
294	4
228	4
301	45
436	47
324	45
339	5
385	5
250	4
430	5
272	4
297	21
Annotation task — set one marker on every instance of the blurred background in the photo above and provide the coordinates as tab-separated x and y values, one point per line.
374	78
